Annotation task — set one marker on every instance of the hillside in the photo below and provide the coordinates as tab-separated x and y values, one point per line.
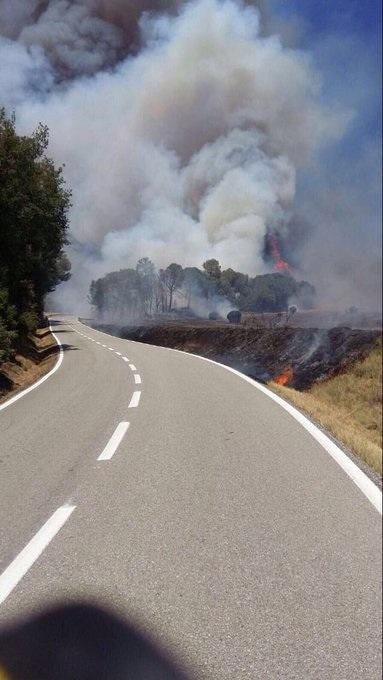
349	405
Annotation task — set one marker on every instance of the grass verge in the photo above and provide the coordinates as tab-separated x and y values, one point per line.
349	406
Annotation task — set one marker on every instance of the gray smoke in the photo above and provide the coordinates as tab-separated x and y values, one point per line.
78	37
181	130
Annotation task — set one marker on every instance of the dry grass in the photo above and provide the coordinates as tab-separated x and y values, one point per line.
349	406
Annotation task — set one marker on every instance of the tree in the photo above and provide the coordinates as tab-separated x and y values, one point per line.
212	269
33	217
147	280
7	326
172	278
34	206
233	284
195	284
135	293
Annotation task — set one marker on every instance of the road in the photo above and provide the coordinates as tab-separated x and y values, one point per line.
216	520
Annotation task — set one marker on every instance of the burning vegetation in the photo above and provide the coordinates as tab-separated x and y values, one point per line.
273	252
285	377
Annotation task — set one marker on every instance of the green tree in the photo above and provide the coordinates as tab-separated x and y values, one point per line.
34	208
212	269
7	326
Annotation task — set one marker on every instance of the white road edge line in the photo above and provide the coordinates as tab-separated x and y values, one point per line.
32	551
43	379
137	379
364	483
132	367
135	400
114	442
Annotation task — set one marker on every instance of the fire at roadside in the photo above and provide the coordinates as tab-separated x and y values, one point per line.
296	357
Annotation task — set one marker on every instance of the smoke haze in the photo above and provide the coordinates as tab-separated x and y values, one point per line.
183	127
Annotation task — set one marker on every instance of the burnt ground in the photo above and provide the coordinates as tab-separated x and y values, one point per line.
302	355
318	318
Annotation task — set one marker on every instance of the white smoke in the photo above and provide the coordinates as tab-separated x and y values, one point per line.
187	150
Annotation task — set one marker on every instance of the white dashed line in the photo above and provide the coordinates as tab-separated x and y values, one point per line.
32	551
103	346
135	400
125	359
137	379
119	353
114	442
132	366
98	343
111	349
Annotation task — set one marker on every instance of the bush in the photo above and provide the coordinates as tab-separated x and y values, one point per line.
28	321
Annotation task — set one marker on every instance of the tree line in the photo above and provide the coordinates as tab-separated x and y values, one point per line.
34	206
145	292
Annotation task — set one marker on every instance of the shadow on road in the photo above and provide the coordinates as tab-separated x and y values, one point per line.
58	322
67	348
64	330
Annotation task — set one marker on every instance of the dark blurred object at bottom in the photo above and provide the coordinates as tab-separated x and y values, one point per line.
81	642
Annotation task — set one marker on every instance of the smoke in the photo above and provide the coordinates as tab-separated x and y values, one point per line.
182	126
78	37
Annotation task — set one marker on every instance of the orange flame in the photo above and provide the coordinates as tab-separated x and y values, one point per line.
279	263
285	377
281	266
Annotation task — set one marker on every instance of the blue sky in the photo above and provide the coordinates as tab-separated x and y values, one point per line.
345	38
341	191
361	16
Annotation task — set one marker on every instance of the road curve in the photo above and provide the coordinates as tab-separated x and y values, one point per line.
173	490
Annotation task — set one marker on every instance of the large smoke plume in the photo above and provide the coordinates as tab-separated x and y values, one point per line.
181	125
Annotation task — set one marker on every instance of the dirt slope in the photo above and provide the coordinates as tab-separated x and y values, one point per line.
34	357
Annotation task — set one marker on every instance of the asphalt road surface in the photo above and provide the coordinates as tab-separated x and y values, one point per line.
214	518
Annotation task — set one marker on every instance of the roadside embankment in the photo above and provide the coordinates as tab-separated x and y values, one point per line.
349	406
34	357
